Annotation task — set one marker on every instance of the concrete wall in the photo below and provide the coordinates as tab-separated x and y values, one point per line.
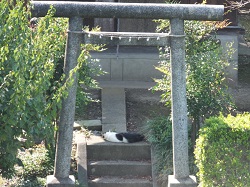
129	64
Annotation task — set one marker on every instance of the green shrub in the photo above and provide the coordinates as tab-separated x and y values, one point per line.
20	182
36	165
222	152
31	83
159	133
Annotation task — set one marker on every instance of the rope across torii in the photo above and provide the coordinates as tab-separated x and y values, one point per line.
177	13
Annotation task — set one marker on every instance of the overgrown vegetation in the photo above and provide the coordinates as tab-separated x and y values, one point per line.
207	92
159	133
36	162
28	59
31	80
223	151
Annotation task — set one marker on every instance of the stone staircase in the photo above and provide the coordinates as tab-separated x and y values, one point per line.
105	164
114	164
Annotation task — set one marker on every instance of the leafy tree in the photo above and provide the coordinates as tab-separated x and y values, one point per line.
31	88
207	92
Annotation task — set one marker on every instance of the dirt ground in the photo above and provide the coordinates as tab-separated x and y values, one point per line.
141	106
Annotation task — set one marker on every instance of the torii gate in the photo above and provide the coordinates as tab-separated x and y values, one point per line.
177	13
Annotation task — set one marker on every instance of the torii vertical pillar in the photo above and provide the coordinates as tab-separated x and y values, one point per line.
61	175
181	176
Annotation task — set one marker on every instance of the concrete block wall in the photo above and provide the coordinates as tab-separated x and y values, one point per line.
137	64
129	64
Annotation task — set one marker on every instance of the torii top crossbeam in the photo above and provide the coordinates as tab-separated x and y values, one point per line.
129	10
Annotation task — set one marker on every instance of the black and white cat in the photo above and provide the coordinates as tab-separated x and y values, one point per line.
124	137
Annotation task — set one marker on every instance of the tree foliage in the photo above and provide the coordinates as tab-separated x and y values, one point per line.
31	86
207	92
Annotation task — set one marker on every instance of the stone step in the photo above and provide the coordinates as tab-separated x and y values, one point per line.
93	125
119	151
114	164
120	182
119	168
126	84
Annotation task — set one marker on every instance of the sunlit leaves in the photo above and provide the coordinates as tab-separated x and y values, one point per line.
222	151
206	63
32	82
28	61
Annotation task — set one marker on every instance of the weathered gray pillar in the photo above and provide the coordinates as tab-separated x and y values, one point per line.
179	101
179	107
65	133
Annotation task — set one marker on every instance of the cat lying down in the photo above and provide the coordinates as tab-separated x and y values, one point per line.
123	137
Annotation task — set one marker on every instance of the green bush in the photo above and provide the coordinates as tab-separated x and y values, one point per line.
31	88
222	152
20	182
159	133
